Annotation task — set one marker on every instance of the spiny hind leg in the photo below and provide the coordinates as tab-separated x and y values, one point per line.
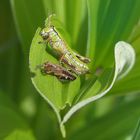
82	58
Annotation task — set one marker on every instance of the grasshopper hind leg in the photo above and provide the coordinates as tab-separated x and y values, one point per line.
82	58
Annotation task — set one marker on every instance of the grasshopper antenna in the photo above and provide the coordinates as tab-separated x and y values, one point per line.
40	66
48	21
48	18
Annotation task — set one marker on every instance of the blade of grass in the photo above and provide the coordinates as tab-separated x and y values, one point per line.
28	15
116	124
115	28
20	134
75	13
136	135
93	7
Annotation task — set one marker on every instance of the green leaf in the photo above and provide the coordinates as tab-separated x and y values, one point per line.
55	7
20	135
59	98
46	122
60	93
135	34
5	100
136	135
10	119
118	124
28	15
75	11
92	31
130	84
107	23
9	124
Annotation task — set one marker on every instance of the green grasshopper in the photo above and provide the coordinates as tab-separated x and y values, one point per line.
52	35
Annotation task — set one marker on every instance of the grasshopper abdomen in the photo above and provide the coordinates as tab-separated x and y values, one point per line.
74	64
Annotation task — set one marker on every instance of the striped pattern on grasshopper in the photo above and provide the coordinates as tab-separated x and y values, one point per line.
70	59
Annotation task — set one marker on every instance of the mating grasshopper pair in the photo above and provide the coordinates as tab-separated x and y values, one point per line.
72	64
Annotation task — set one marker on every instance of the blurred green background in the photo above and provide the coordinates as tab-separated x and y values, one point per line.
24	114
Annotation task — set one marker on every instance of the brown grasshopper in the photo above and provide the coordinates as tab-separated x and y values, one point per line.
60	72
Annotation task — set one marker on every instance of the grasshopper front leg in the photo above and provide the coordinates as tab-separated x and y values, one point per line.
60	60
82	58
44	41
41	42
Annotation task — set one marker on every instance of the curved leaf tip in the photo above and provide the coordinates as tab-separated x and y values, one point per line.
125	57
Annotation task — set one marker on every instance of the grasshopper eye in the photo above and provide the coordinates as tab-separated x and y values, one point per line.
44	34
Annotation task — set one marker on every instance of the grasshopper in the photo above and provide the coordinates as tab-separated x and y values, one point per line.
60	72
70	59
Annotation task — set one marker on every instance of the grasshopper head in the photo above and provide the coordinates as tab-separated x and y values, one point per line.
45	33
